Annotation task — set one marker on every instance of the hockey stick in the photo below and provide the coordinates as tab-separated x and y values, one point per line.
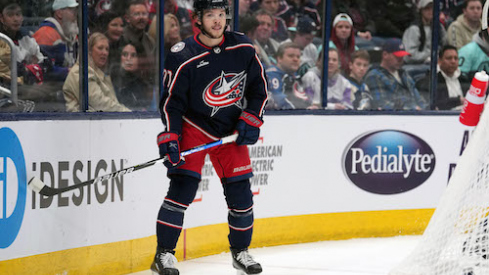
40	187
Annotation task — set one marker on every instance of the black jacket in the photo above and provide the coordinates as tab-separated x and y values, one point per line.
442	101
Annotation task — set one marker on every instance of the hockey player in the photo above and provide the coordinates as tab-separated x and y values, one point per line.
215	85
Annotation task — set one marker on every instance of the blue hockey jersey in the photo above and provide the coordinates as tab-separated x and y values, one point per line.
210	87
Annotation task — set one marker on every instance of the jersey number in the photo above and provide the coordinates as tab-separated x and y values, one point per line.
275	83
167	77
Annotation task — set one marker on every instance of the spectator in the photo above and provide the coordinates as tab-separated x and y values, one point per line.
306	8
57	35
248	25
266	45
33	69
340	96
451	85
95	9
417	38
244	7
467	24
184	18
130	88
474	56
391	87
283	84
112	25
311	83
278	8
101	93
363	25
135	33
391	17
450	10
29	58
303	35
171	32
360	61
279	25
342	38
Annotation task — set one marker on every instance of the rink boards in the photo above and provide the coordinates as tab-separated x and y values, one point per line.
316	178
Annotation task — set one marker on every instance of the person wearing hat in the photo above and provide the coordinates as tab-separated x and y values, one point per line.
57	35
363	25
391	87
343	39
467	24
302	35
417	38
301	8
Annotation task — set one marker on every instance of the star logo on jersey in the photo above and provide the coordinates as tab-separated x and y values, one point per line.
226	90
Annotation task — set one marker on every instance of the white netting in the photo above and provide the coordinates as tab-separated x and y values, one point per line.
456	241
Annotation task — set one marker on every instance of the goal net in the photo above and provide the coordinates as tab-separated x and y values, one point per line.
456	241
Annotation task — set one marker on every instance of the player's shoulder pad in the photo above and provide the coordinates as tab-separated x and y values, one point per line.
182	52
178	47
238	38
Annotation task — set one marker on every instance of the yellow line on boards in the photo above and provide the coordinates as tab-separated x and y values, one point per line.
136	255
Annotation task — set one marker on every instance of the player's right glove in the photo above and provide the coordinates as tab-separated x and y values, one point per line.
170	147
248	128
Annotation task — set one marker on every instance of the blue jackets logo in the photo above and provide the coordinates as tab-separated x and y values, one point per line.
224	91
13	186
388	162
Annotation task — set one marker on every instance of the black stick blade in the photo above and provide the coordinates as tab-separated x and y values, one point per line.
39	187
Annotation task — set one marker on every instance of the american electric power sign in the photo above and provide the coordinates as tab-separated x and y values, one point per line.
12	186
388	161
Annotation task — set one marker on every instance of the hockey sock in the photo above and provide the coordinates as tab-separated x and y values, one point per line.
170	217
240	215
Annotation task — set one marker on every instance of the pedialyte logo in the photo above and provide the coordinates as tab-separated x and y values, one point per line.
388	162
13	186
225	90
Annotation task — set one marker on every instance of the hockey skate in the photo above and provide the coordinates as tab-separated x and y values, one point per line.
164	262
244	263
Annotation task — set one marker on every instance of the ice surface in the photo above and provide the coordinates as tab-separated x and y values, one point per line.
373	256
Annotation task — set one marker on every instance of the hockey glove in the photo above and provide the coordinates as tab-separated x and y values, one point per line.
248	128
170	147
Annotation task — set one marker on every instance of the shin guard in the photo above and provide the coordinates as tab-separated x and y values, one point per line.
170	217
240	217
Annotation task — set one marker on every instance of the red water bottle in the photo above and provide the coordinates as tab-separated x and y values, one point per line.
474	100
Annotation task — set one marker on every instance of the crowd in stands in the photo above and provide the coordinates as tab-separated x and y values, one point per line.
379	52
379	56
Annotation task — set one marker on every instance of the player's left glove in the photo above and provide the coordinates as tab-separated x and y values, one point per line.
248	128
170	148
